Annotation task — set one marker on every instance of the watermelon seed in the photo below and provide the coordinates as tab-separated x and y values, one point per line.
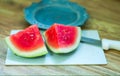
65	38
32	36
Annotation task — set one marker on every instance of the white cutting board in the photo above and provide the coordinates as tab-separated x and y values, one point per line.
85	54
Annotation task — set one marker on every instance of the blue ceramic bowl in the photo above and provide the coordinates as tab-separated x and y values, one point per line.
47	12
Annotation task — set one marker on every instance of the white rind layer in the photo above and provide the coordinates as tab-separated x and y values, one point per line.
35	53
67	49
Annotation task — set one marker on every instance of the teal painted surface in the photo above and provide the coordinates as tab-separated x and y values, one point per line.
47	12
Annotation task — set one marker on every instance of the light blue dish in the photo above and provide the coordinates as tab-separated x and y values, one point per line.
47	12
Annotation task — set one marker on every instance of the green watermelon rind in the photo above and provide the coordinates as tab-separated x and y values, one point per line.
35	53
67	49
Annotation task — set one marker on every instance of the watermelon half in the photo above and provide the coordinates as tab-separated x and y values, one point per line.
27	43
62	38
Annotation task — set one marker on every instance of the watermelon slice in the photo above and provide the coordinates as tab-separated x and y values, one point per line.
27	43
62	39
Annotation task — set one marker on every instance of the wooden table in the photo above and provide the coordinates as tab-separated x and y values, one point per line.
104	17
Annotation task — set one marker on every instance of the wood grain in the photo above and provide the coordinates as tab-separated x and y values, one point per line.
104	17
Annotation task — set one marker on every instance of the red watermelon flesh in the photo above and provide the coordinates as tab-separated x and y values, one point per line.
62	39
25	38
51	36
66	37
27	43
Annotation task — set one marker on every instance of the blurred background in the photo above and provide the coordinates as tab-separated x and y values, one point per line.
104	14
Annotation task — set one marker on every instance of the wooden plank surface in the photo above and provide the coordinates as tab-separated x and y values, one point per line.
104	17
